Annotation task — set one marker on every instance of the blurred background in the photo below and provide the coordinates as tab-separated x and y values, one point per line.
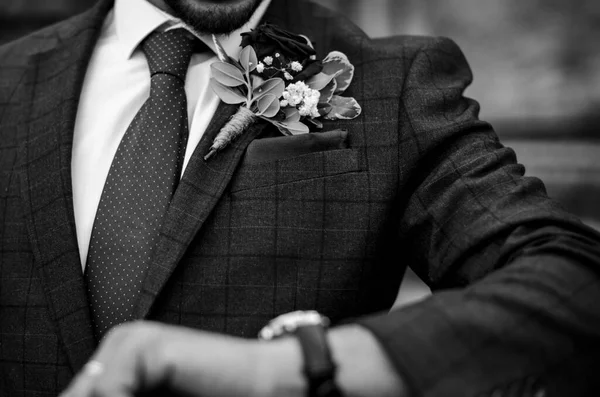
537	76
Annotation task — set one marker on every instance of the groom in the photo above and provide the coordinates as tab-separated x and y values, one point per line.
327	221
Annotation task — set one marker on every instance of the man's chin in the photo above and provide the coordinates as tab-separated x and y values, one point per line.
213	16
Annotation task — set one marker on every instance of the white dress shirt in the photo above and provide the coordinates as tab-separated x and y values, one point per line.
116	85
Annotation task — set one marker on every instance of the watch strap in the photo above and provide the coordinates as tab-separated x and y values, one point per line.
319	367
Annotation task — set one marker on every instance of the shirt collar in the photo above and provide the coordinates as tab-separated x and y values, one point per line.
136	19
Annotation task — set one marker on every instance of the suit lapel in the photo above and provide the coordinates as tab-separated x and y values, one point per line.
203	183
54	80
200	189
56	77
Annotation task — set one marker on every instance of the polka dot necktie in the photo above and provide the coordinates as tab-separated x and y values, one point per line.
140	183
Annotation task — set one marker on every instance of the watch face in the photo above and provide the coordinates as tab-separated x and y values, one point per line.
288	323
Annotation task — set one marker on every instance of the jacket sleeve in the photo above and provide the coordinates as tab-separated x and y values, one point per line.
516	303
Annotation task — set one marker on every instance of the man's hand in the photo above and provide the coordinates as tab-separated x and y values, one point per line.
141	357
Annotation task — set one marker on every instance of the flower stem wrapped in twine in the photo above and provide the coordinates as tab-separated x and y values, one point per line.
237	124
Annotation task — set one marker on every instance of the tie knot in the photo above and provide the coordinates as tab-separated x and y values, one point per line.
169	52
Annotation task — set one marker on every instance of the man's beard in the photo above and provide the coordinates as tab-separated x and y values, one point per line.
214	18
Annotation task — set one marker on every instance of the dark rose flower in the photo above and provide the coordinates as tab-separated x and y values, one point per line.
268	39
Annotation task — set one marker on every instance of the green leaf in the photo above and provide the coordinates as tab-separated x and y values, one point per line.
290	126
291	114
268	106
227	74
337	64
248	58
324	109
327	91
296	127
316	122
281	128
274	86
343	108
256	81
319	81
227	94
279	125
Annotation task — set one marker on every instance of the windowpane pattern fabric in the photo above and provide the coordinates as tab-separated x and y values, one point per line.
423	183
140	184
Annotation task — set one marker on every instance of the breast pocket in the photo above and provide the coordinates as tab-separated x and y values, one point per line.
294	169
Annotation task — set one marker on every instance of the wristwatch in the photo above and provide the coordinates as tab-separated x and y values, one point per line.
309	327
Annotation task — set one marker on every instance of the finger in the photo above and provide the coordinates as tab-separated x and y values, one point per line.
82	382
114	369
93	381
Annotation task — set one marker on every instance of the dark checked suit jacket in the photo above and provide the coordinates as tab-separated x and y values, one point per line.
272	225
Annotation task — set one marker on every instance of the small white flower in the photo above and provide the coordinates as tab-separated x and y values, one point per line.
296	66
289	98
309	105
303	97
260	67
283	103
277	55
288	76
312	57
304	110
268	61
293	97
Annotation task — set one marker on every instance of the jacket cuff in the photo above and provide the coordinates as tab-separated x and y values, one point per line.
435	358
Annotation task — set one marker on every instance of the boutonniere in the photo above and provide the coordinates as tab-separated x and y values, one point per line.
279	79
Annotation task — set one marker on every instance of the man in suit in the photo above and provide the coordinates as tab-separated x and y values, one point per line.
417	180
